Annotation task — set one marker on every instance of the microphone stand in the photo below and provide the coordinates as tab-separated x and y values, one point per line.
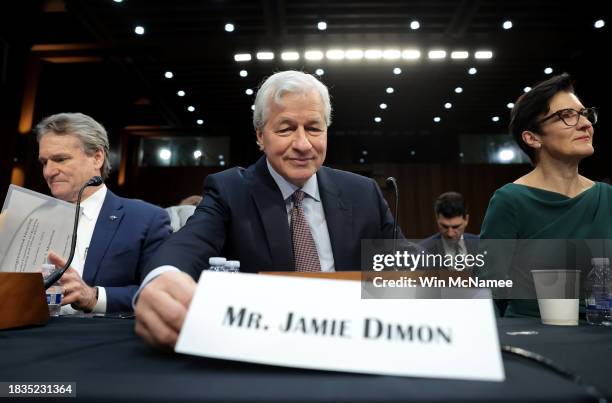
55	276
391	181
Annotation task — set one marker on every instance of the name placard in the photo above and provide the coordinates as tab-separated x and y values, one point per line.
326	325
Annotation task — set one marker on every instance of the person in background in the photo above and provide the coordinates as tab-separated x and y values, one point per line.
116	236
181	213
552	201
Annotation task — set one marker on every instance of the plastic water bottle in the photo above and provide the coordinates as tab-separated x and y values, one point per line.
599	292
216	263
232	266
54	293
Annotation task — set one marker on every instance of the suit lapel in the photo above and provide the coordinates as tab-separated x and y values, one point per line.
339	216
273	214
108	221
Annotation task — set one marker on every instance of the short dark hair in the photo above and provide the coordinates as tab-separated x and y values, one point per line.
450	204
531	105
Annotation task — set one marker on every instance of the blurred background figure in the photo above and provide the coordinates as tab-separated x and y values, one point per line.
181	213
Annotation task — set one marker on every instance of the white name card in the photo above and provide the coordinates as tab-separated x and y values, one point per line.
324	324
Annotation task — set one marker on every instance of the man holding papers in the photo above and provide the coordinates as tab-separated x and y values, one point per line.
116	236
285	212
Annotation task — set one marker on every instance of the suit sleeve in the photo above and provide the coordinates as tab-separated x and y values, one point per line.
202	237
119	299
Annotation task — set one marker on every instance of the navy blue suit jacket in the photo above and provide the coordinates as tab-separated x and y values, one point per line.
126	234
243	217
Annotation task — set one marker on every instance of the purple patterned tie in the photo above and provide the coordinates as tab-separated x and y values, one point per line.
305	257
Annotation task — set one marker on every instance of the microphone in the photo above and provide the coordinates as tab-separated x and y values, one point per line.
392	182
55	276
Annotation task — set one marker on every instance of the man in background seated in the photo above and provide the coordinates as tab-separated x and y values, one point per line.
452	219
116	236
285	212
181	213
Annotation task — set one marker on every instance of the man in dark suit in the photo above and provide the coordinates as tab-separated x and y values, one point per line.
116	236
285	212
452	218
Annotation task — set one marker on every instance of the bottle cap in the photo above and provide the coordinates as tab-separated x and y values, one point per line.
216	261
233	264
600	261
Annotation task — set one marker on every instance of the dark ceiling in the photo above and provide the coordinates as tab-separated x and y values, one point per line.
118	76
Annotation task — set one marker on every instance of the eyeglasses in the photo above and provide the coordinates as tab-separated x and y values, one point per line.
571	117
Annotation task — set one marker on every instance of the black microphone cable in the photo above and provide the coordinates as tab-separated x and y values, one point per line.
55	276
391	181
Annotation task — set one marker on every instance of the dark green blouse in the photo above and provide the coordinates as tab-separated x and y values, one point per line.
519	212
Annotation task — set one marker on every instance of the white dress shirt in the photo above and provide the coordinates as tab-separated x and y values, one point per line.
90	210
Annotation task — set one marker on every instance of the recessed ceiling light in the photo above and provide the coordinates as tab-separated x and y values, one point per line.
548	70
415	25
378	119
252	107
392	54
191	108
526	89
265	55
242	57
483	54
197	154
139	30
372	54
458	90
448	105
460	54
248	91
505	154
412	152
335	54
229	27
436	54
321	25
243	73
168	74
510	105
507	24
390	90
180	93
361	161
290	56
354	54
437	119
472	71
313	55
495	118
319	72
599	24
411	54
200	121
364	152
117	1
397	71
382	106
220	156
165	154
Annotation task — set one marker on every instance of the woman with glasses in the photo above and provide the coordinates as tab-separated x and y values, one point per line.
552	201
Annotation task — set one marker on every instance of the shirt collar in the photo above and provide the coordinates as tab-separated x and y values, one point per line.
311	187
93	204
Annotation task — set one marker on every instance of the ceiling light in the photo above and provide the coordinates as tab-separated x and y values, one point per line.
117	1
222	163
242	57
378	119
168	74
389	90
354	54
373	54
411	54
200	121
483	54
437	119
448	105
290	56
248	91
265	55
165	154
361	160
252	107
220	156
415	25
243	73
548	70
472	71
397	71
319	72
459	54
505	154
322	25
436	54
191	108
412	152
382	106
526	89
335	54
495	118
458	90
364	152
313	55
180	93
507	24
599	24
197	154
229	27
510	105
139	30
392	54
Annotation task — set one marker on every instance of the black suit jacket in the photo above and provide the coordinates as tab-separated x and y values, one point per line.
243	217
433	244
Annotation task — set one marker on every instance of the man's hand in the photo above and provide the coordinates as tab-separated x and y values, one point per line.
75	291
161	308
